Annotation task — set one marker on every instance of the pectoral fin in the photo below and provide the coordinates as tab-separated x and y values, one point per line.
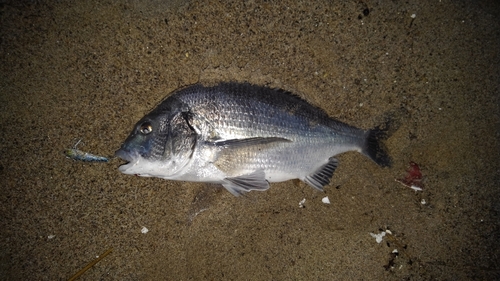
237	155
257	142
239	185
322	176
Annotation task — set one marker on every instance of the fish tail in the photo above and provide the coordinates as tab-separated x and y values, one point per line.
375	138
73	153
375	148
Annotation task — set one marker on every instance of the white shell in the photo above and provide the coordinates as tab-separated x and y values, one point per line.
302	202
378	237
325	200
416	188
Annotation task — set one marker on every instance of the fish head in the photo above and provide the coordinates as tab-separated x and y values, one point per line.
161	143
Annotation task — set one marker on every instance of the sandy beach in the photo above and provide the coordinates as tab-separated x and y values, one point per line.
89	70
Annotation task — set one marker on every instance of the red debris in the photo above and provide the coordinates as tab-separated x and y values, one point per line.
413	178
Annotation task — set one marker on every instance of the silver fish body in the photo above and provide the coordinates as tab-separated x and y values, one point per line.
242	136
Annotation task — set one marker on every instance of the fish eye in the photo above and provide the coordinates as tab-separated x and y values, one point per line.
146	128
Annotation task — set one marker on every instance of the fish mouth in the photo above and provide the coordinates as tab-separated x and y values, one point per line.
125	155
129	157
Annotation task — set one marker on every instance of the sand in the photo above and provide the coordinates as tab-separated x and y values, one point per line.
89	70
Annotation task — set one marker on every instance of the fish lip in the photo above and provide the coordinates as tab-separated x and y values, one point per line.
125	155
130	158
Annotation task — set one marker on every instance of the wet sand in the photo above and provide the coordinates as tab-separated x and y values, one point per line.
90	70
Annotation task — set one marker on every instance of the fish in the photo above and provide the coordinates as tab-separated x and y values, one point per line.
79	155
243	136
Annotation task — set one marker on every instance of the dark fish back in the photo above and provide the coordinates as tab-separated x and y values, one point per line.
246	99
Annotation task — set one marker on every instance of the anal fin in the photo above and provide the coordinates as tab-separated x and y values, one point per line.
322	176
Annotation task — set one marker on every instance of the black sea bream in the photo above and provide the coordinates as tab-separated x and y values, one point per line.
243	137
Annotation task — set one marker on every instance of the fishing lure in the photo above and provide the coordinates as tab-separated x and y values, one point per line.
79	155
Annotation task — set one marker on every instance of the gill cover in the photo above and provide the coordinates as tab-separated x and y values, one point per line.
181	141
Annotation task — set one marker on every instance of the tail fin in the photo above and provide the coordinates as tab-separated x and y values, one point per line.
375	148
